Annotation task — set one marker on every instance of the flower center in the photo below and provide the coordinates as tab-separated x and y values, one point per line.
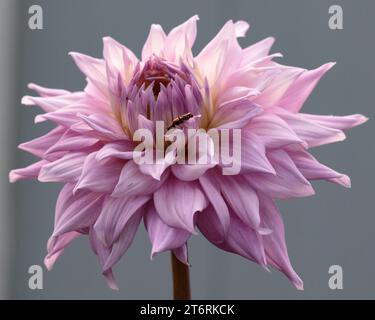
156	74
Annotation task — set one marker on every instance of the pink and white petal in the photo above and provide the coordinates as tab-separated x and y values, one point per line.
274	131
177	202
66	116
103	253
211	189
156	170
155	42
256	51
94	69
253	154
240	239
29	172
245	242
56	246
336	122
277	86
133	182
104	126
311	132
66	169
312	169
181	39
235	115
122	244
76	212
296	95
212	57
190	172
236	93
288	181
117	55
242	198
72	142
181	254
123	149
53	103
99	176
47	92
40	145
209	224
115	214
241	28
274	243
162	236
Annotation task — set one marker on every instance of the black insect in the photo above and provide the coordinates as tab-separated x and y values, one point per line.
180	120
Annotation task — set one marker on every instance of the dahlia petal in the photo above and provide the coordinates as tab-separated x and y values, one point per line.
119	150
103	253
190	172
240	239
336	122
273	131
56	246
288	181
66	169
253	154
312	169
212	57
47	92
241	28
274	243
180	39
312	133
162	236
168	200
71	141
122	244
181	254
67	115
237	93
211	227
133	182
204	159
242	198
122	58
145	123
235	115
105	126
296	95
76	212
212	65
29	172
64	119
40	145
157	169
277	86
211	189
257	50
154	43
93	69
99	176
115	215
53	103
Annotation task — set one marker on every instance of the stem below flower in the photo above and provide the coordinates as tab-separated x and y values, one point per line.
181	279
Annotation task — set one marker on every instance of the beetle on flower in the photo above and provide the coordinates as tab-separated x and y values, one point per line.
106	194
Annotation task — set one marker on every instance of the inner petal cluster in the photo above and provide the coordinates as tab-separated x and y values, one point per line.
159	91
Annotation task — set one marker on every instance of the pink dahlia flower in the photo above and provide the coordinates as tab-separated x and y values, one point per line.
107	193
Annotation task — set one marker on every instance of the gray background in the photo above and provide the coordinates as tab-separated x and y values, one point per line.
336	226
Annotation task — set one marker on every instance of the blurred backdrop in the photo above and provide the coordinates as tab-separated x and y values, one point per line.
334	227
